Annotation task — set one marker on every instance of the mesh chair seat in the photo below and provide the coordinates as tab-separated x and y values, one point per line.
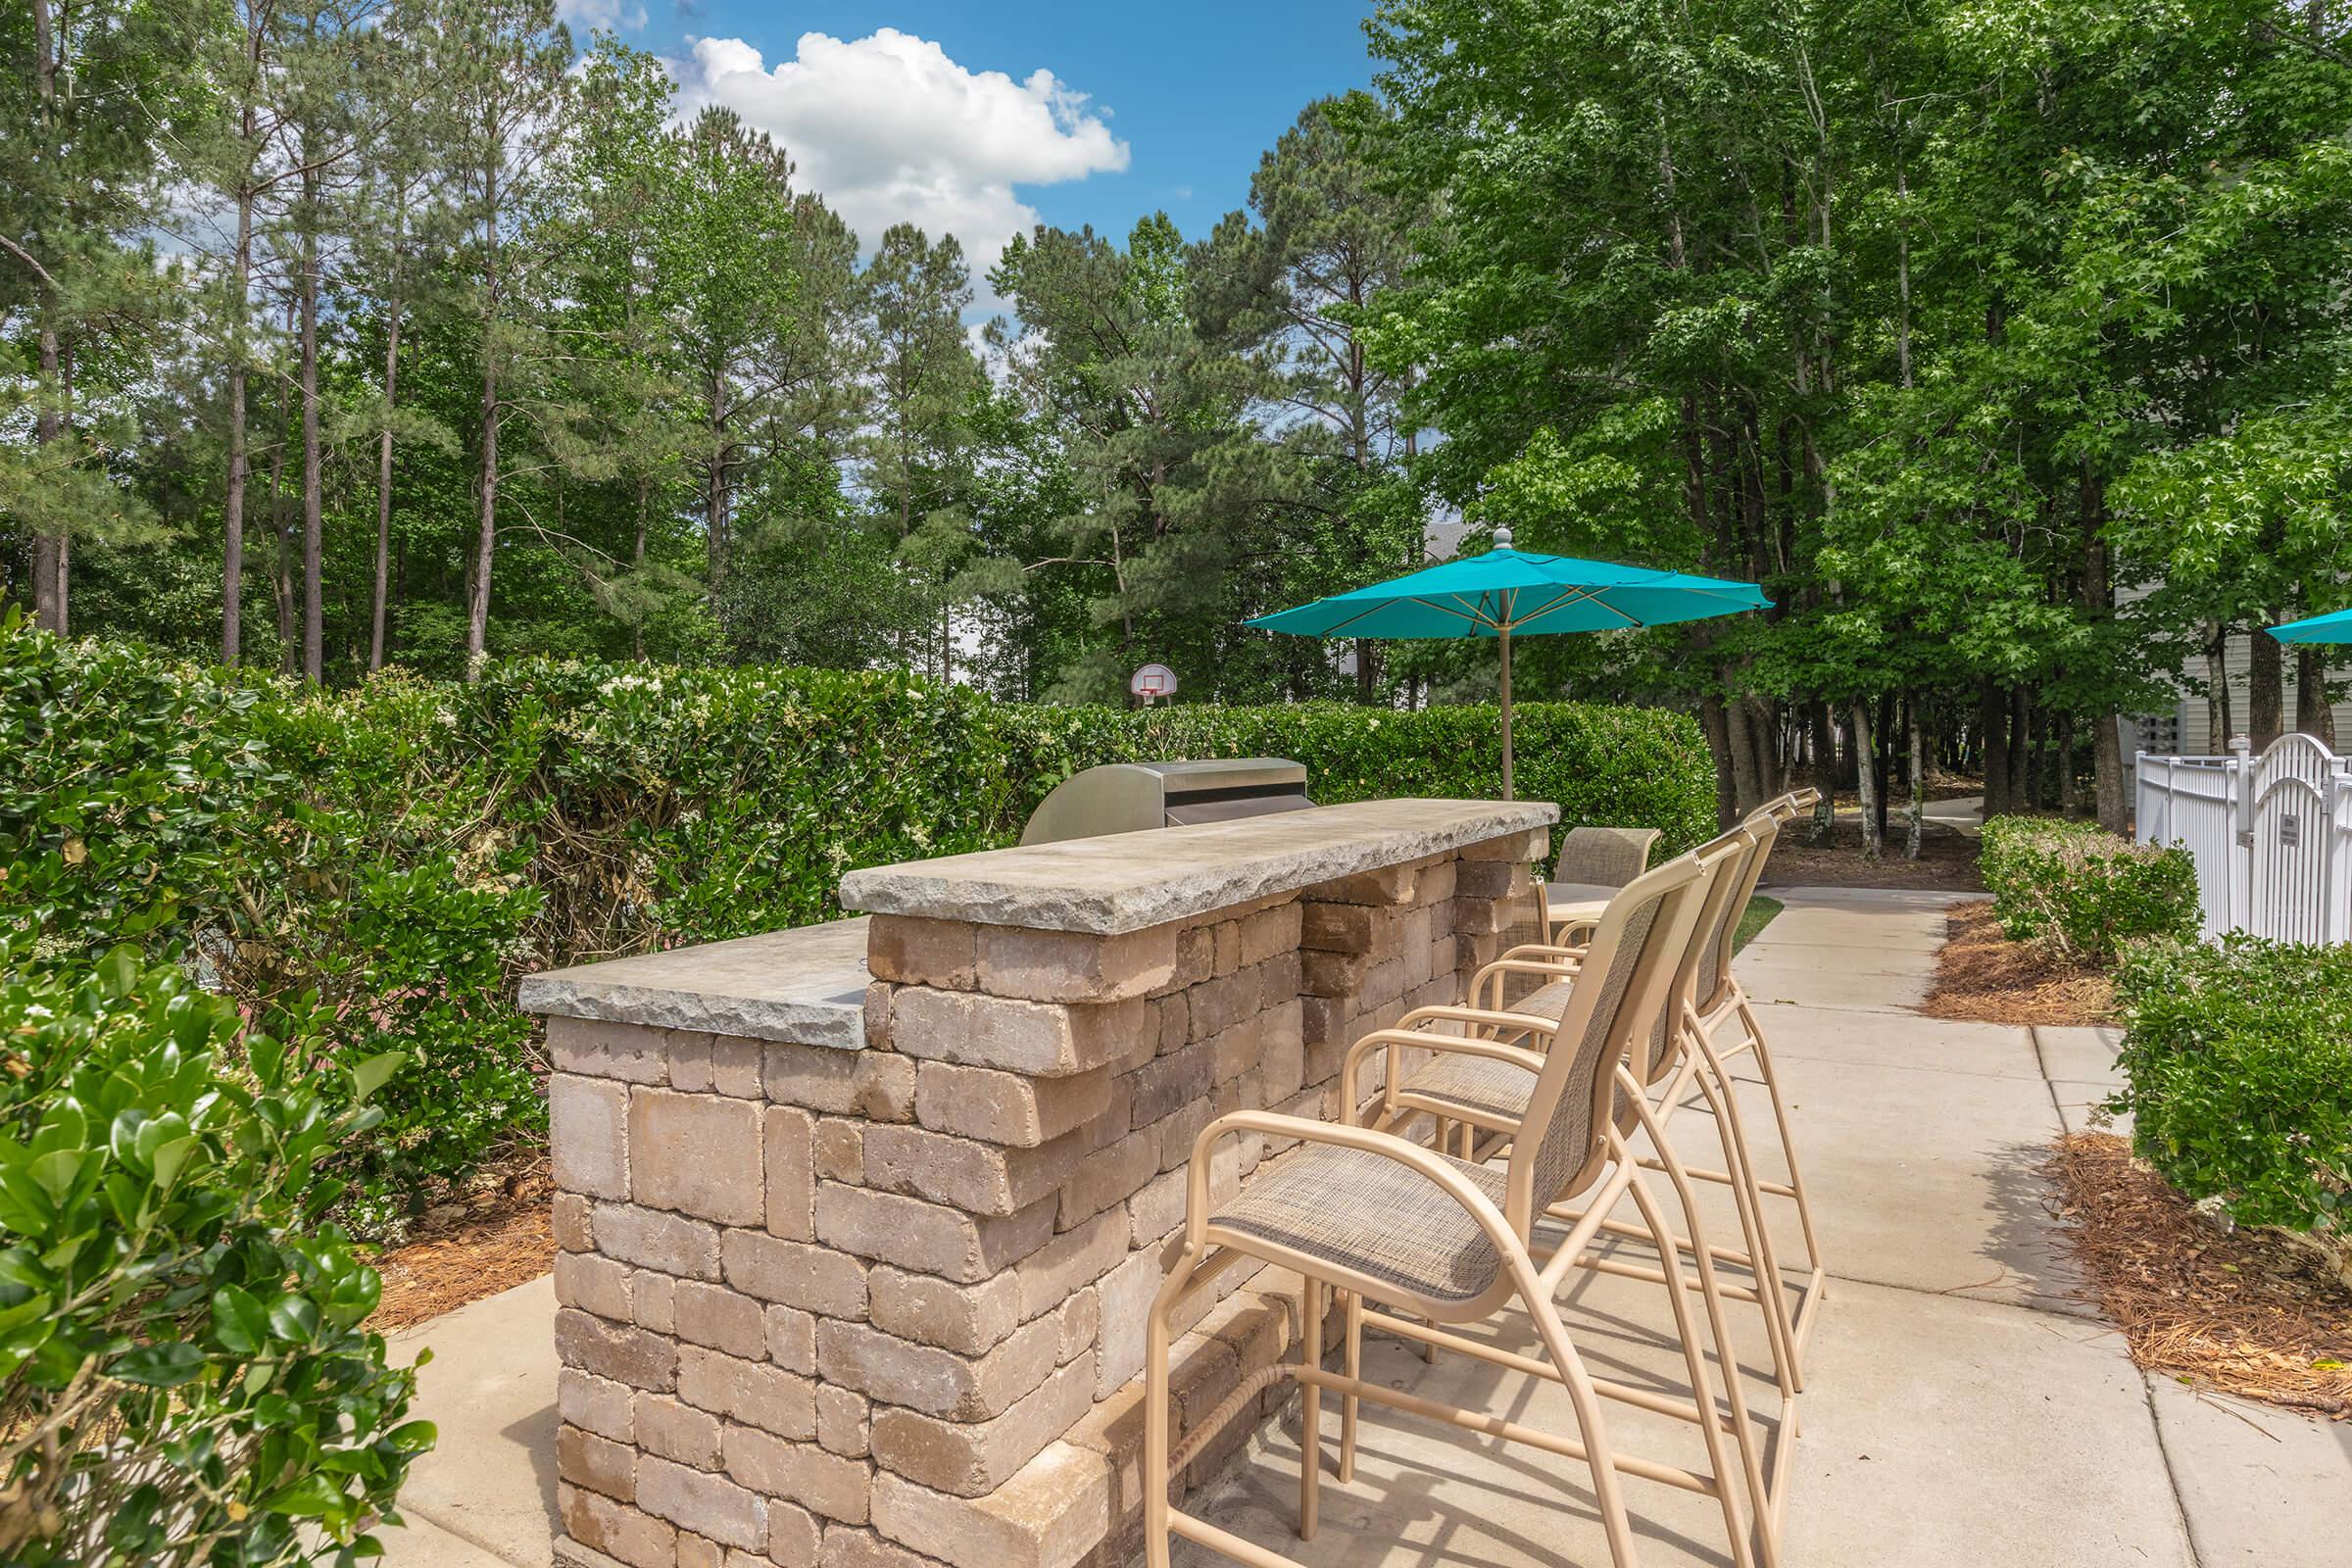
1366	1212
1479	1085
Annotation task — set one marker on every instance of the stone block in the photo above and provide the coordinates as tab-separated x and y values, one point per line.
689	1153
1158	1208
965	1173
1491	879
600	1465
913	951
941	1382
1175	1023
1391	885
811	1276
615	1529
791	1337
1074	966
1181	1127
839	1150
844	1420
1219	1004
874	1084
671	1429
1435	883
595	1048
574	1230
1327	927
652	1239
1196	955
968	1319
711	1506
593	1284
1048	1039
969	1460
588	1135
1533	844
789	1142
802	1473
722	1320
722	1064
596	1404
1227	952
1108	1176
1269	932
846	1547
1279	977
630	1356
928	1238
1070	1262
1331	974
753	1393
655	1295
795	1538
1080	1321
1164	1083
1050	1515
1127	1293
1006	1107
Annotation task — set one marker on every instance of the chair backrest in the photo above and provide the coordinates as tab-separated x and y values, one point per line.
1723	863
1623	986
1604	857
1714	977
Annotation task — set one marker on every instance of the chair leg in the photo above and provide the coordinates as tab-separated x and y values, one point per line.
1694	1360
1780	1112
1585	1400
1350	1403
1156	1479
1310	1408
1715	1084
1751	1463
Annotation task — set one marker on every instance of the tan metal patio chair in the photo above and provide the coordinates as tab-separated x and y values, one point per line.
1594	863
1716	1002
1377	1216
1485	1097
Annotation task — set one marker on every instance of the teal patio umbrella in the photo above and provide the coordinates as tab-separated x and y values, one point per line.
1509	593
2334	627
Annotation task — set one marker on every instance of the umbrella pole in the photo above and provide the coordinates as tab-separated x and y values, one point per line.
1506	712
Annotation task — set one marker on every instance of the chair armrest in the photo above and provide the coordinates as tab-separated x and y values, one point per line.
1413	1156
1487	1017
1458	1045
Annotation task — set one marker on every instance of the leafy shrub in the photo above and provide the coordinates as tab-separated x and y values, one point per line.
2083	891
183	1378
2239	1062
388	861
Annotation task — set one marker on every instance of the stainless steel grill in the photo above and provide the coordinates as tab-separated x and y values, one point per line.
1125	797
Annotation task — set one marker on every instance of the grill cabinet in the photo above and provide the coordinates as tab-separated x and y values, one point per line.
1127	797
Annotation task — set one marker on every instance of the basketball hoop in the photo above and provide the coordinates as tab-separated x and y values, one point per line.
1152	681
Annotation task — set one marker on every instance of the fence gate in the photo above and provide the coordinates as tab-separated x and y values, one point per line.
2270	836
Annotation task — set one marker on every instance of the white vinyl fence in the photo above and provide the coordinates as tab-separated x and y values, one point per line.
2272	835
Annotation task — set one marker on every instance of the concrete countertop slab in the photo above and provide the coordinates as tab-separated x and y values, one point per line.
805	986
1123	882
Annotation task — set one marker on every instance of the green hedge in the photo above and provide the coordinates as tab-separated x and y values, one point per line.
2238	1059
2083	891
183	1375
391	859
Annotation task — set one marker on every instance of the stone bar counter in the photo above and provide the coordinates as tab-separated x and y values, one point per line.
858	1222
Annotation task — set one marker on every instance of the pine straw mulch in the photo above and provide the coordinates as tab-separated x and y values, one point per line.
1983	976
503	1237
1947	864
2242	1313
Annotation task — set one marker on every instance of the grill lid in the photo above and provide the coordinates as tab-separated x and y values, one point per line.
1128	797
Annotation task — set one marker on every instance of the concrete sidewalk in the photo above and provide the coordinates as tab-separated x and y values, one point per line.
1962	1406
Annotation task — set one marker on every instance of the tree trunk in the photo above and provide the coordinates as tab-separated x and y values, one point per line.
232	508
2217	703
1747	783
477	599
1714	725
1874	833
1825	771
1993	745
314	663
49	558
383	491
2264	698
2313	714
2020	751
1885	762
1917	826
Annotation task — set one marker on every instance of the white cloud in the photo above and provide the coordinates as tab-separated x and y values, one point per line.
614	15
890	130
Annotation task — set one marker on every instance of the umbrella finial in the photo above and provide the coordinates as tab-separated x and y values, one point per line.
1502	536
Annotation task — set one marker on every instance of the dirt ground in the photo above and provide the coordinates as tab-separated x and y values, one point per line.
1947	864
1984	976
503	1239
2244	1311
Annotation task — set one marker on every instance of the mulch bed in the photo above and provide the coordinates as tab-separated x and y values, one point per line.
1947	864
504	1238
1983	976
2242	1313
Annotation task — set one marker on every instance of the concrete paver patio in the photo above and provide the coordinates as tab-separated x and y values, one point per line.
1962	1407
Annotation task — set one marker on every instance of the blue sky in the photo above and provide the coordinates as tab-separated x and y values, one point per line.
974	117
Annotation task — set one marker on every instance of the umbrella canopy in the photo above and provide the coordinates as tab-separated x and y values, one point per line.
1508	593
2332	627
